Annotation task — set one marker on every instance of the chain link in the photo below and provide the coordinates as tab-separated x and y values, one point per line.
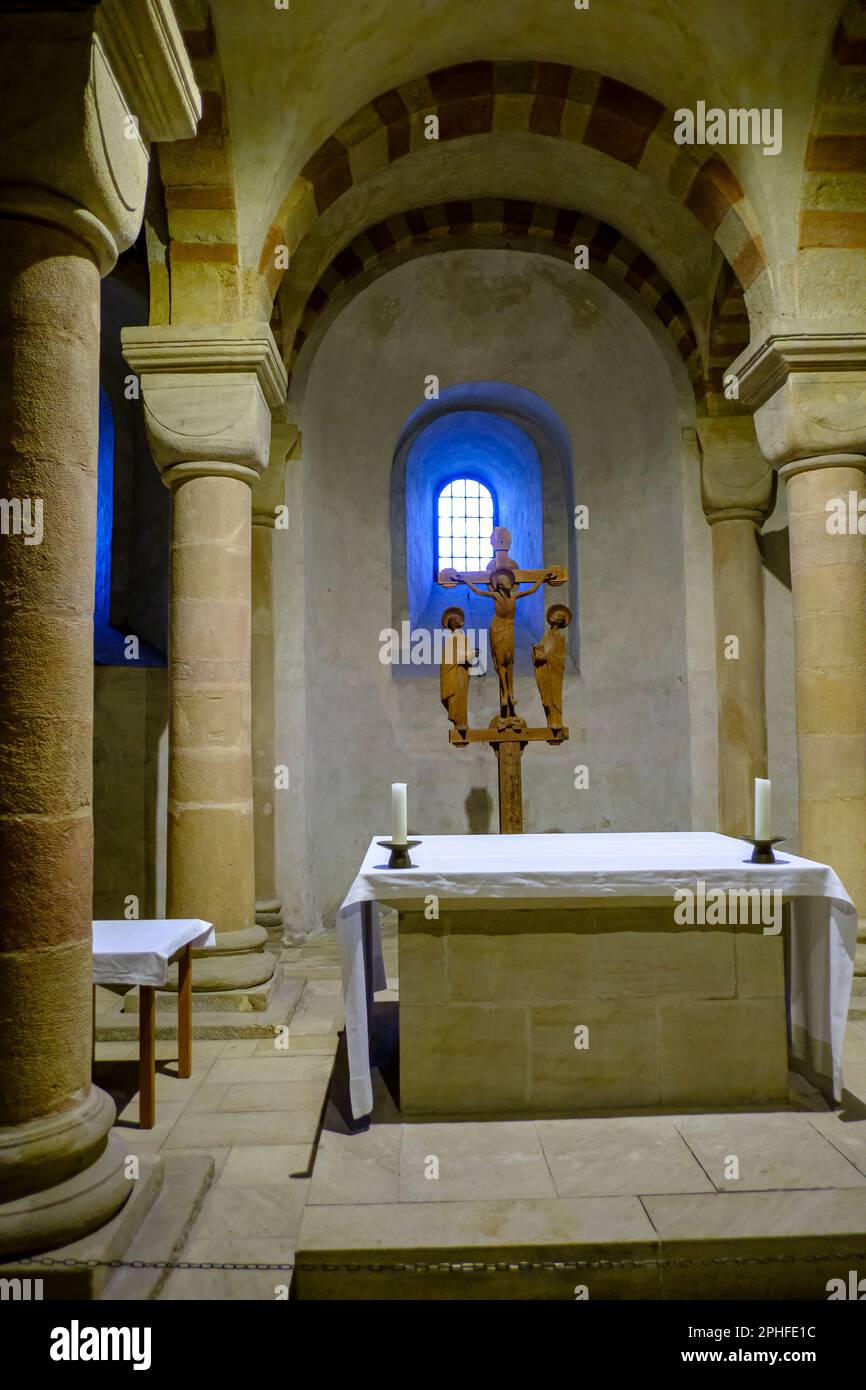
449	1267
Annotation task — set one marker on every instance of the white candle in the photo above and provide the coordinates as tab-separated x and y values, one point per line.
399	831
762	808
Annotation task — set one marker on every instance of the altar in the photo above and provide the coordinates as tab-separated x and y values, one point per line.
597	973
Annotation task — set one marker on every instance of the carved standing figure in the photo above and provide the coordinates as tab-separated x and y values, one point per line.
548	657
457	657
504	590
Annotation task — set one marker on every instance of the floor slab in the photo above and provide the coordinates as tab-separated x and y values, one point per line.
472	1160
754	1152
608	1157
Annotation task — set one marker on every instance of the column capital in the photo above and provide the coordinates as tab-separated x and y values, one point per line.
270	490
85	92
208	394
737	483
808	391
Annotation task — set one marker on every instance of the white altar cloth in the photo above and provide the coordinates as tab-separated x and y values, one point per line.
138	952
823	917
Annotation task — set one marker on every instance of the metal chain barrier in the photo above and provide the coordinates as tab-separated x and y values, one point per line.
451	1267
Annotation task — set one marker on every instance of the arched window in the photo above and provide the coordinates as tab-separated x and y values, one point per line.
465	517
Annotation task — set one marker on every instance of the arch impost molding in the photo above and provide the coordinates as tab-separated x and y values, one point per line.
763	371
119	78
145	48
809	395
208	395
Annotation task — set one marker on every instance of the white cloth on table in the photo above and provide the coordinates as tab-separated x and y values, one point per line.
823	917
138	952
350	930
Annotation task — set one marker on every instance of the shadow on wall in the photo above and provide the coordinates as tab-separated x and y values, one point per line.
479	811
776	554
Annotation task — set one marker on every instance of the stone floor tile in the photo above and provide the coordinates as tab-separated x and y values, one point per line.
285	1065
168	1112
264	1165
229	1128
606	1157
848	1136
490	1159
275	1095
268	1212
773	1151
239	1047
207	1097
362	1167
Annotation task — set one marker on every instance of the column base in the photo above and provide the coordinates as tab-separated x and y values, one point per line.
269	915
238	960
70	1209
224	1020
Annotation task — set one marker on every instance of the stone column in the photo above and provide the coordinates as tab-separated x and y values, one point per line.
828	582
73	172
208	392
268	497
810	391
737	490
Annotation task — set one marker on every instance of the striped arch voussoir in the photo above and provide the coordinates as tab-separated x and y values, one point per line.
512	224
836	152
543	99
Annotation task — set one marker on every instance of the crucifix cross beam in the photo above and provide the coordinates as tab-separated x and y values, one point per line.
501	542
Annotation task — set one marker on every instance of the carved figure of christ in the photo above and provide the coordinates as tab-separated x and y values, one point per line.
504	589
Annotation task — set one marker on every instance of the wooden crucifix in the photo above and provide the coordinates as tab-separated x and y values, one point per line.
505	583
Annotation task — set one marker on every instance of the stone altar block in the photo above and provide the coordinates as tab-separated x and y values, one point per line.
550	1008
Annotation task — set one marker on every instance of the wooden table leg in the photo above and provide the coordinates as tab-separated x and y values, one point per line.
184	1013
146	1057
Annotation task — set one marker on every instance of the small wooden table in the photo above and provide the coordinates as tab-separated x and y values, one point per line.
140	953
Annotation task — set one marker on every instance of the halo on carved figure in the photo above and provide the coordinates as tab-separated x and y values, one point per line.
453	612
554	611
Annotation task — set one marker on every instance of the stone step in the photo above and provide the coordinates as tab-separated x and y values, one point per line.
709	1245
164	1232
109	1242
114	1025
254	999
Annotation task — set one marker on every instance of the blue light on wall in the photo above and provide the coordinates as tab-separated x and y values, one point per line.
110	646
104	509
501	457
